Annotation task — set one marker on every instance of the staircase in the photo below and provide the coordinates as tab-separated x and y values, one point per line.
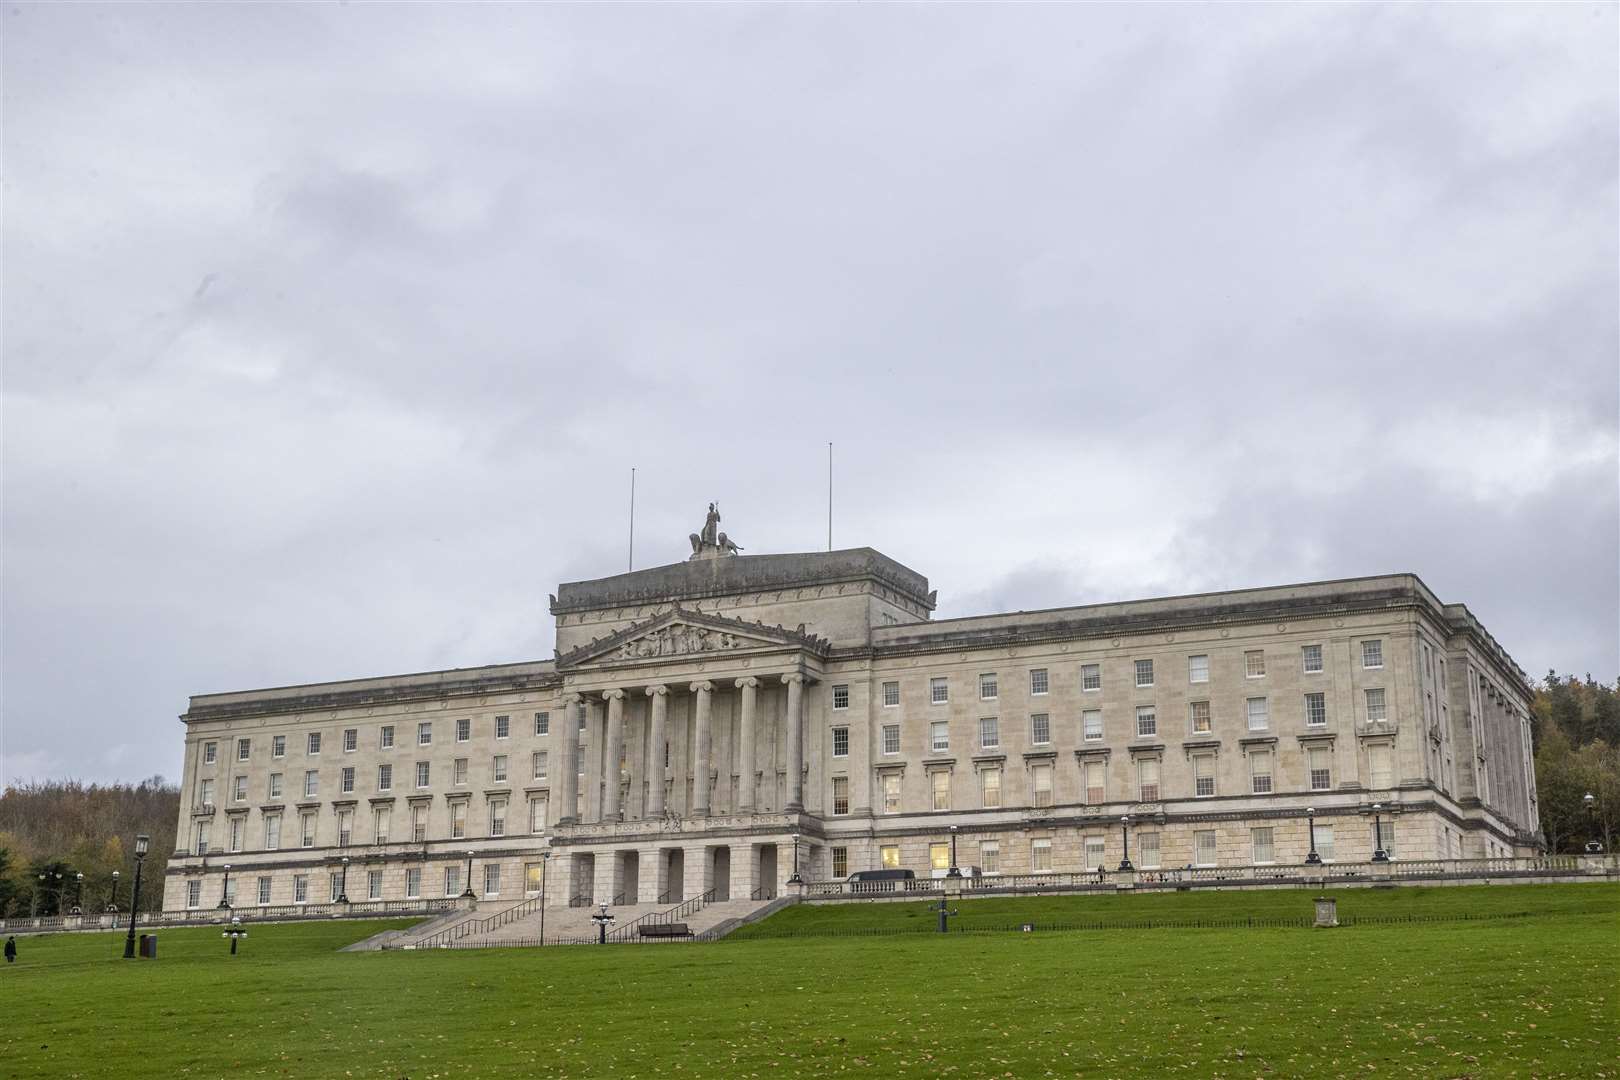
573	925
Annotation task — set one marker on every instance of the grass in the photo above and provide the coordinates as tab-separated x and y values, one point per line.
1531	996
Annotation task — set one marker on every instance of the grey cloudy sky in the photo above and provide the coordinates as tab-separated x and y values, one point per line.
331	333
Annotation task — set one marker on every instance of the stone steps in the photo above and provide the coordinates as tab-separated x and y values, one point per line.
574	924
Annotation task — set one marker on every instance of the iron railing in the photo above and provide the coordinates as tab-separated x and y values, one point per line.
369	909
468	927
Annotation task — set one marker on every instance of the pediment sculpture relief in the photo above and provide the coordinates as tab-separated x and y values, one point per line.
680	639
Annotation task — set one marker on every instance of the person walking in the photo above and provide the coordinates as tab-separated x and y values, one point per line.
11	949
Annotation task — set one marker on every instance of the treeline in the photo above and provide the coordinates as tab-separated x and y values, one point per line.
62	828
1576	729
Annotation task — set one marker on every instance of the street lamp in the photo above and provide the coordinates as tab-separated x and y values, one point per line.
112	901
235	931
602	919
545	859
795	879
61	891
1125	836
78	893
955	870
39	892
1379	854
1594	846
225	889
1312	858
141	842
467	893
343	882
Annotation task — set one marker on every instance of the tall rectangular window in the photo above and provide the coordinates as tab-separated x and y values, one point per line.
940	782
1372	654
306	830
1147	850
239	789
989	733
1040	729
1204	847
939	736
312	783
275	785
891	694
1203	775
840	862
990	788
1254	663
236	833
424	733
373	884
413	883
312	743
385	737
1315	709
1040	856
1198	669
840	799
1040	785
452	880
840	697
418	823
1260	846
537	815
193	894
205	792
492	880
990	856
1095	849
542	723
458	771
1092	772
272	832
464	729
244	749
891	793
210	753
345	824
1198	714
840	741
987	686
1147	780
1037	681
1147	721
1383	835
351	740
939	690
202	837
1260	771
423	774
497	818
1091	725
503	727
1144	673
278	746
1310	659
1375	705
346	780
458	819
891	738
300	888
1324	842
538	762
381	818
498	767
385	778
1259	711
1090	677
1318	762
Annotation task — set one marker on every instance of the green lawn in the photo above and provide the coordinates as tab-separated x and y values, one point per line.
1531	996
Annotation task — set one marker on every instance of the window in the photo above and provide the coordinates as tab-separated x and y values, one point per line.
1203	775
205	792
497	818
1375	706
940	782
422	774
542	723
413	883
889	856
278	746
1090	677
1144	673
1311	659
1372	654
458	820
463	729
1147	780
1040	856
840	741
1092	772
239	789
891	694
499	768
385	737
1040	785
193	894
1040	729
939	856
1147	721
272	831
346	782
1383	835
424	733
939	736
1096	847
891	738
939	690
236	833
275	785
987	686
1380	766
1198	714
1254	663
538	762
840	799
1147	850
1259	714
345	822
840	862
1324	842
452	880
841	697
891	793
1198	669
312	783
989	733
381	818
537	815
202	837
1316	760
1204	848
1315	709
312	743
334	883
458	771
300	888
1260	846
990	788
990	856
306	830
210	753
385	778
503	727
351	740
244	749
418	823
1037	680
374	884
580	713
1260	772
1091	725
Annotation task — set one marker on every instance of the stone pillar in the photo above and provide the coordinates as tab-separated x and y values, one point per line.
568	780
613	750
795	742
744	870
700	737
651	879
747	781
655	750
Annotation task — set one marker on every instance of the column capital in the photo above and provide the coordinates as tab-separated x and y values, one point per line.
792	678
657	691
747	682
573	699
702	686
613	695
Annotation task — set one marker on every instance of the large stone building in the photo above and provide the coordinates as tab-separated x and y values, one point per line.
698	717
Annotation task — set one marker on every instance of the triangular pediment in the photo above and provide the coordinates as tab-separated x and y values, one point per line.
679	633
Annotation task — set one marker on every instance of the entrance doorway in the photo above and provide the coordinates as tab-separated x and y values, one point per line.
722	873
767	871
674	877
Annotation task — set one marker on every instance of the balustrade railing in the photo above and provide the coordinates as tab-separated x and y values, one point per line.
469	927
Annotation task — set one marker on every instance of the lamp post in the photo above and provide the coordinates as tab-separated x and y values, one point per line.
955	870
1379	854
602	919
795	879
1594	846
112	901
235	931
1311	857
78	893
545	859
467	893
141	843
33	907
225	889
343	882
1125	836
61	891
952	890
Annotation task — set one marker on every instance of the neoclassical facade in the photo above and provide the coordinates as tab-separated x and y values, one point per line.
703	721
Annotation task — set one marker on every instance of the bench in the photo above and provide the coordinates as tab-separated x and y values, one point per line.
664	930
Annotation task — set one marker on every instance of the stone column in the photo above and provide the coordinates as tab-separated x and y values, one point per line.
746	779
568	780
655	750
700	738
795	742
613	750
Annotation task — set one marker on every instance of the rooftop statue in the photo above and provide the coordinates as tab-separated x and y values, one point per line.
711	543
